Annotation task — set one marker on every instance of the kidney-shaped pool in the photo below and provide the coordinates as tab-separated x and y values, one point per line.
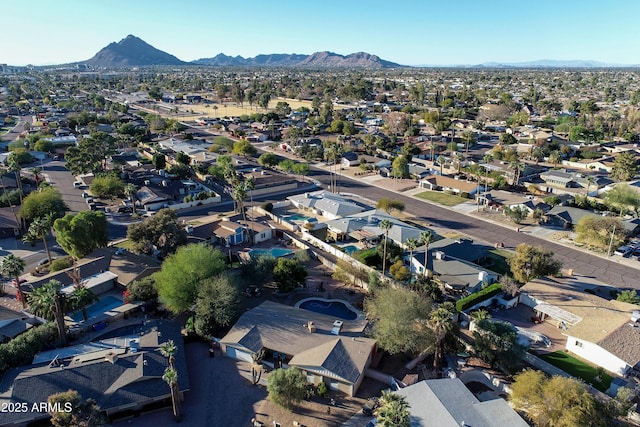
335	308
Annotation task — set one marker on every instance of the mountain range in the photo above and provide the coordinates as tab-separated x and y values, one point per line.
133	51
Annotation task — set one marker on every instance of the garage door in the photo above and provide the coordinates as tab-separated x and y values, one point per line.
238	354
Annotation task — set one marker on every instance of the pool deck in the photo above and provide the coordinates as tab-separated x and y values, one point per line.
359	314
107	316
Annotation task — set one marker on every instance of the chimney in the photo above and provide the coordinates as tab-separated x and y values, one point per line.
111	357
311	326
440	255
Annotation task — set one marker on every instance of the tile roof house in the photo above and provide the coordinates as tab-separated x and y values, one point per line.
447	402
598	330
445	183
306	340
122	377
365	226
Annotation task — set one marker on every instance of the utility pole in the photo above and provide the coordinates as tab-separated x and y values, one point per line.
613	233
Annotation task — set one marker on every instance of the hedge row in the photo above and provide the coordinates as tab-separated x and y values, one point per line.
20	350
475	298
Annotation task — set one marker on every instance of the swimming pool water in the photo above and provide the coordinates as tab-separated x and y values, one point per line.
333	308
350	249
274	252
103	304
297	217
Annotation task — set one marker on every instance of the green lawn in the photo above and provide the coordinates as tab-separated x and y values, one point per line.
442	198
577	368
500	264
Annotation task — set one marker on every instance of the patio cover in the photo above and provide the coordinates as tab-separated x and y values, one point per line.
360	235
558	313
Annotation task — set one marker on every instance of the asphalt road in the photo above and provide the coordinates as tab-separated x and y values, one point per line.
584	264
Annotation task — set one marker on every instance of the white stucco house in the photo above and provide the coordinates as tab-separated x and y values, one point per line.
601	331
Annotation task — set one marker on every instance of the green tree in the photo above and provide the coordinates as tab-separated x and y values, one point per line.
400	167
74	411
159	161
160	232
82	233
411	244
107	186
555	401
216	304
283	109
169	349
399	317
13	266
630	296
385	225
390	205
625	167
244	148
441	322
170	376
301	168
623	197
48	302
496	343
393	411
268	160
530	262
517	213
131	190
183	273
287	387
289	273
399	272
596	232
143	290
469	139
39	204
90	154
40	229
286	165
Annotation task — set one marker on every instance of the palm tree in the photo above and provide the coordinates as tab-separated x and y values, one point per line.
80	298
411	244
170	376
169	349
517	167
47	301
441	322
441	160
250	184
385	225
590	180
424	239
459	158
478	316
15	167
131	190
39	229
13	266
432	147
393	411
36	174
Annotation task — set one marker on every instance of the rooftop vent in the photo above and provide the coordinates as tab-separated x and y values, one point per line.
111	357
311	327
440	255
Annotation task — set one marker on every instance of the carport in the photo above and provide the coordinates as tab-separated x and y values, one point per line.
563	317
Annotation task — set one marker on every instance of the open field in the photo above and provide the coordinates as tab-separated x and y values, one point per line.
231	109
578	368
441	198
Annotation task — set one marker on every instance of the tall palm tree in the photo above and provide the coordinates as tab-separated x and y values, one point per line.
39	229
517	167
15	167
48	302
478	316
393	411
36	174
4	190
250	184
131	190
13	266
385	225
590	180
169	349
80	298
424	239
411	244
441	322
432	147
170	376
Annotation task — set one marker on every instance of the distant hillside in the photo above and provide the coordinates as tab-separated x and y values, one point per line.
131	51
552	63
316	60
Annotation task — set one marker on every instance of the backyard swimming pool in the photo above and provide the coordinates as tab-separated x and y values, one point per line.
103	304
350	249
274	252
333	308
296	217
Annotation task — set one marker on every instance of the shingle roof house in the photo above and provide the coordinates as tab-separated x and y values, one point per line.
120	379
447	402
280	330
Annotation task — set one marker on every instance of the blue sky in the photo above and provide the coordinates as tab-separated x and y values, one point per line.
409	32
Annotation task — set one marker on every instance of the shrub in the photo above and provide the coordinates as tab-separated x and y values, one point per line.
322	389
464	194
21	349
60	264
475	298
369	257
142	290
267	206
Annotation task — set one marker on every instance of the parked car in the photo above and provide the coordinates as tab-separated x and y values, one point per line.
623	251
370	406
125	209
77	184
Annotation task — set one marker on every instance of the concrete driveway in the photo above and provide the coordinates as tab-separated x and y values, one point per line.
219	395
59	176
